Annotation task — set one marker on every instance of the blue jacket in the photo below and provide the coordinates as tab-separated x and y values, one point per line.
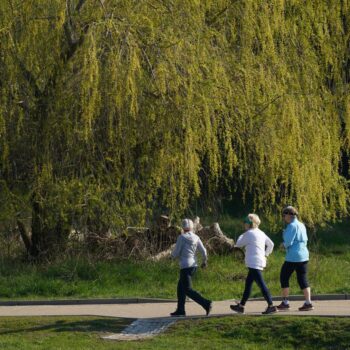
295	241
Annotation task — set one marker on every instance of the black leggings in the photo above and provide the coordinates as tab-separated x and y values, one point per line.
255	275
288	268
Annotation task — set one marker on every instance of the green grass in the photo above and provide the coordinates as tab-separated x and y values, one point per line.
234	332
83	277
223	279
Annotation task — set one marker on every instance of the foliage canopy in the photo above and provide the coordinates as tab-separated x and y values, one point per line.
114	110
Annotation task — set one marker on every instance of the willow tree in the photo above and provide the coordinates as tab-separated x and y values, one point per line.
114	110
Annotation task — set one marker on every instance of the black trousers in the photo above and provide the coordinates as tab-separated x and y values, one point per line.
255	275
300	268
184	287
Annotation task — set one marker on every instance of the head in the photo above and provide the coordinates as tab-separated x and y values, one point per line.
251	221
187	225
288	214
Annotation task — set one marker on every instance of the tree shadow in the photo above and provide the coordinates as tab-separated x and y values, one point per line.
105	325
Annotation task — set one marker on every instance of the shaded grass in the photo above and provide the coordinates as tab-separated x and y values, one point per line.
214	333
58	332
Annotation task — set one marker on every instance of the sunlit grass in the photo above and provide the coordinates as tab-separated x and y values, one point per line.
83	277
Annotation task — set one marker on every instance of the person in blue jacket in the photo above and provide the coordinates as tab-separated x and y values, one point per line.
297	258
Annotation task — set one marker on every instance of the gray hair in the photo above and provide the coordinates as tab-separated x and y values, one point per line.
290	210
187	224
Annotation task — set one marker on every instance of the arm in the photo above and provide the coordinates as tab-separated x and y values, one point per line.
269	246
177	250
289	236
203	252
242	241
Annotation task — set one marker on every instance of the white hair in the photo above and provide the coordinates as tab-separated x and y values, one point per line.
255	220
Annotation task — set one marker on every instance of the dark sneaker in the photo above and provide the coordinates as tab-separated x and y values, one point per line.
306	307
270	310
283	307
178	313
238	308
208	308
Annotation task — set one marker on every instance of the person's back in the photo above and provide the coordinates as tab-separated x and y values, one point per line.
186	248
255	241
297	258
257	246
295	241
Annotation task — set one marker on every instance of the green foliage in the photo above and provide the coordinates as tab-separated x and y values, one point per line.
115	110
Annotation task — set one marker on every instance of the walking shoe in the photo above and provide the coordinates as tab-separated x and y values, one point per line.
238	308
208	308
283	306
270	310
178	313
306	307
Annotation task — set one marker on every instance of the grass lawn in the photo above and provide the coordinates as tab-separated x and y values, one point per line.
236	332
223	279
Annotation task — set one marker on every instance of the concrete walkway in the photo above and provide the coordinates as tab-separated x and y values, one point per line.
160	310
153	318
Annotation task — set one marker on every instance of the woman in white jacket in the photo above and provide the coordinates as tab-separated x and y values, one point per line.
257	247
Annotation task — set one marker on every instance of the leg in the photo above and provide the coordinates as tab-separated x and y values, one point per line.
247	290
181	294
194	295
285	293
307	295
258	277
301	271
248	287
286	271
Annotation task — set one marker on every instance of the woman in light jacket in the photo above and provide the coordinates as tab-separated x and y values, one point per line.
257	247
185	250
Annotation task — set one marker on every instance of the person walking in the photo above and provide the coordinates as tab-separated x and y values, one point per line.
185	250
257	247
297	258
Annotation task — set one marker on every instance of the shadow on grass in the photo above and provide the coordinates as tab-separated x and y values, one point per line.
105	325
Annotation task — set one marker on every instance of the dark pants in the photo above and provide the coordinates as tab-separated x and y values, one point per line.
255	275
300	268
184	287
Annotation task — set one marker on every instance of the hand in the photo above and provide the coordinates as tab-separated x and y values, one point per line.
204	264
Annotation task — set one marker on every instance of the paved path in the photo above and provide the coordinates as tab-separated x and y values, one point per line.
153	318
150	310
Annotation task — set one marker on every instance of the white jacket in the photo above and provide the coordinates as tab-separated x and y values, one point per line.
257	247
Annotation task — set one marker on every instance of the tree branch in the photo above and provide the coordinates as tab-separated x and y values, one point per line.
212	20
28	76
267	105
73	41
79	5
25	236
